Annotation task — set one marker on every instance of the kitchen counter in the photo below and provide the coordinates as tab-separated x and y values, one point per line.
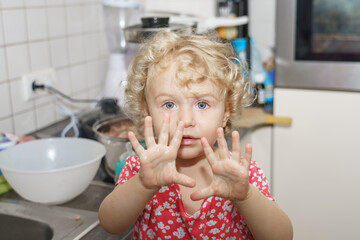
89	200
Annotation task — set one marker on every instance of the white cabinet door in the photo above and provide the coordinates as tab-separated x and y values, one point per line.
316	162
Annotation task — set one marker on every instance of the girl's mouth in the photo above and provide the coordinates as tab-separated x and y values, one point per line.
188	140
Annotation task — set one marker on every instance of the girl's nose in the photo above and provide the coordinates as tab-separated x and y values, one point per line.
187	116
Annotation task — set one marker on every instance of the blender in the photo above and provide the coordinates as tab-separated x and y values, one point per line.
118	14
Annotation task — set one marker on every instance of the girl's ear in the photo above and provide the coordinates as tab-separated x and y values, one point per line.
226	116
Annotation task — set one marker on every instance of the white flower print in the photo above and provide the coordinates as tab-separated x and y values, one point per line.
144	227
196	214
220	215
163	189
166	205
204	237
158	210
214	231
150	234
211	223
227	206
180	233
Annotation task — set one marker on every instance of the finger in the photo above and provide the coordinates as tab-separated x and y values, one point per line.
135	144
184	180
223	148
248	155
176	140
209	152
164	132
202	194
236	147
148	132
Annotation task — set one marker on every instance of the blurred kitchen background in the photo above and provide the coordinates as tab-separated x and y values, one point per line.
69	36
313	165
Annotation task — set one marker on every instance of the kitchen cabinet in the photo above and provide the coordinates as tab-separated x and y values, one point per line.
316	162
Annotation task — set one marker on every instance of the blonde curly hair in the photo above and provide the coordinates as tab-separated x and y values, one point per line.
208	59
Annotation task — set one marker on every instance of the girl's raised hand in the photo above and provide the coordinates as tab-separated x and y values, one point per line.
157	162
230	173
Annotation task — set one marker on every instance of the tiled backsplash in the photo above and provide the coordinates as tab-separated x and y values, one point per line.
67	35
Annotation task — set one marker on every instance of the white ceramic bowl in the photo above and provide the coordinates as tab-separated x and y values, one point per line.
51	171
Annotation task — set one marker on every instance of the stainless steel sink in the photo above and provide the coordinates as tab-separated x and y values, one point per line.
25	220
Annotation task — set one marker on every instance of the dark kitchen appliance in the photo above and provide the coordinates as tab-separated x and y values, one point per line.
318	44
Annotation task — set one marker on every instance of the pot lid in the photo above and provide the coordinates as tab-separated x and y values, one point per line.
137	33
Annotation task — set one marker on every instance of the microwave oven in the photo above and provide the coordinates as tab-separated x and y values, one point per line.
318	44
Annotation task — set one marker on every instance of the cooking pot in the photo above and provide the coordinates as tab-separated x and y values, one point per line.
150	25
112	133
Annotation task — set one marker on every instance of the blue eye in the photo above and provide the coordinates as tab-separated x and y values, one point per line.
169	105
202	105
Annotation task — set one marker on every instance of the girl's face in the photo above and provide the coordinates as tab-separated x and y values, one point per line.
199	105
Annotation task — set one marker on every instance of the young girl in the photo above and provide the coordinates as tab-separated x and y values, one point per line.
185	92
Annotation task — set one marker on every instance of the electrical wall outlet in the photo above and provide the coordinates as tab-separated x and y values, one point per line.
46	76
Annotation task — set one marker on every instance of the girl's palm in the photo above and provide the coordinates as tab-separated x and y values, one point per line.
230	173
157	162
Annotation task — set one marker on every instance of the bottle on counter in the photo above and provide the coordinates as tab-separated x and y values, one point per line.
258	80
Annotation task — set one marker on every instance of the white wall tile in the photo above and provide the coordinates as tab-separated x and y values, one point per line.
3	66
80	106
77	78
74	19
59	53
91	18
103	44
12	3
92	73
56	22
2	40
17	97
103	70
63	80
72	2
18	60
7	125
33	36
35	3
5	102
76	49
45	115
55	2
39	55
92	46
36	23
44	98
24	122
14	26
95	93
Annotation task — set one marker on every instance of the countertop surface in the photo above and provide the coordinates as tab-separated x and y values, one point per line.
89	200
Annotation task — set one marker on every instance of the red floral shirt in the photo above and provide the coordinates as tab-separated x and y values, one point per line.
165	217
